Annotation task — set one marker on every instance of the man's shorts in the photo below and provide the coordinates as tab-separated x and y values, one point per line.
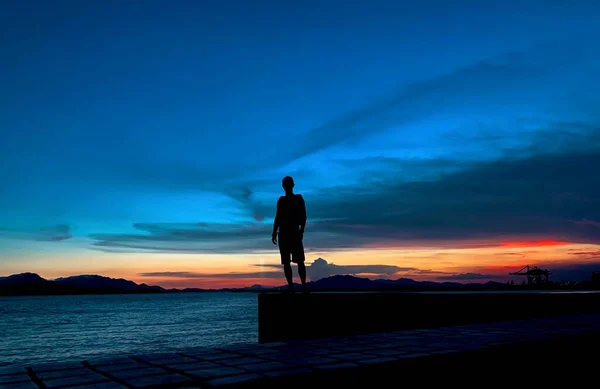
291	247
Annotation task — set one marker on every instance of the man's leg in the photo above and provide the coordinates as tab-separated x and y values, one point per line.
302	273
286	261
299	258
287	270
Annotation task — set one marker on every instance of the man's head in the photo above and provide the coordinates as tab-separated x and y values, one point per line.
287	183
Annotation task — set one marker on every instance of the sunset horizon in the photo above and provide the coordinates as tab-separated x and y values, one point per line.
568	262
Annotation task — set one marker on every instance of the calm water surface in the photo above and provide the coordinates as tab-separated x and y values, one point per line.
58	328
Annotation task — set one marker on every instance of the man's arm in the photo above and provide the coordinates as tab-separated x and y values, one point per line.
277	218
302	214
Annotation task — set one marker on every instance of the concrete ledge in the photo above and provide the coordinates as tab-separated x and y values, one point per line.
471	355
283	316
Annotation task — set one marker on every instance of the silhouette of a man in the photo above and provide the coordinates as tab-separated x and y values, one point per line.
290	220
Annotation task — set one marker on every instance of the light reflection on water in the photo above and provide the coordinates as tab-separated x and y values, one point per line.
58	328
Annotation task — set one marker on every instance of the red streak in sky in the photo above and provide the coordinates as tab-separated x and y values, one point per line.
535	243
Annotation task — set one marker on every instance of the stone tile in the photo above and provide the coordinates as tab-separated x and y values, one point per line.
155	356
333	345
273	344
215	356
265	366
241	348
442	345
215	372
445	351
354	348
109	361
241	361
262	351
350	356
154	381
411	355
191	366
127	374
108	369
282	357
20	385
455	337
384	345
407	343
101	385
158	360
237	379
56	366
299	350
321	352
287	372
336	366
302	342
469	347
375	360
50	375
70	381
11	369
14	378
388	353
420	350
320	361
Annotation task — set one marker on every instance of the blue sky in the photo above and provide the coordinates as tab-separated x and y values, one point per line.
162	127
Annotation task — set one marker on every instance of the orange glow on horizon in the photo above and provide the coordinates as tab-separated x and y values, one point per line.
433	261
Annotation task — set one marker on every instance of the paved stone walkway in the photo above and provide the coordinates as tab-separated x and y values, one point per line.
231	366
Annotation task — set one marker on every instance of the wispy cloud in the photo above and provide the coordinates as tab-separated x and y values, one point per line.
316	270
590	254
56	233
537	77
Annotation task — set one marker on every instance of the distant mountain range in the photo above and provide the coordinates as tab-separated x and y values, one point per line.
33	284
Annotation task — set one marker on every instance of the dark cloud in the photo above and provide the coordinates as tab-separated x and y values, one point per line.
470	276
427	272
540	76
316	270
56	233
595	253
535	197
245	196
188	238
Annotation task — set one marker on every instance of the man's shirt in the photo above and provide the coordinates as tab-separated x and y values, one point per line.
291	213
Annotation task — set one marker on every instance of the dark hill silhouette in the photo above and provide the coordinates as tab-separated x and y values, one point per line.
96	281
347	282
33	284
23	278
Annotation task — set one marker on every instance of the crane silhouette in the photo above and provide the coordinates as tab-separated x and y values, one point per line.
535	275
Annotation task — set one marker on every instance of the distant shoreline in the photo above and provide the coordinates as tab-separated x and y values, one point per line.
31	284
96	292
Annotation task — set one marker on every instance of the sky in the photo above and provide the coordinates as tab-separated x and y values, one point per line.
442	141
